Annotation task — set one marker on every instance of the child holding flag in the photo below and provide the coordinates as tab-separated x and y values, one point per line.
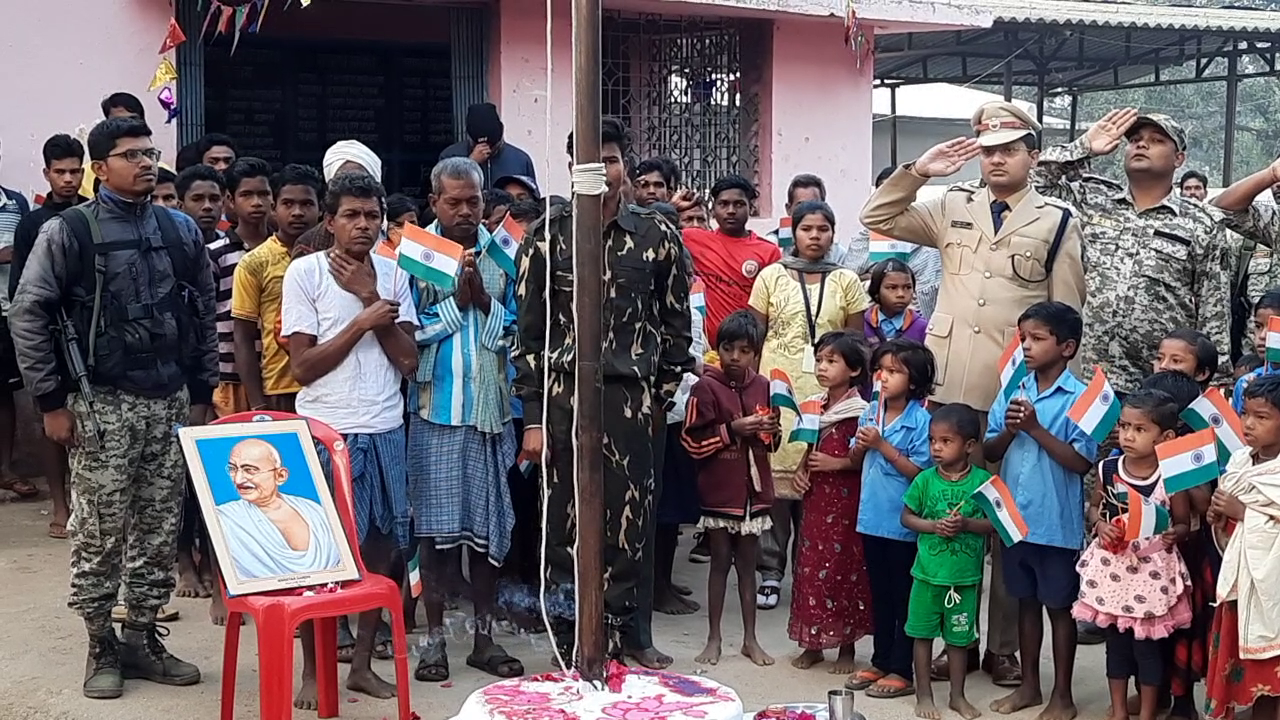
1045	456
952	543
1134	584
1244	654
830	597
1267	307
729	431
893	291
891	451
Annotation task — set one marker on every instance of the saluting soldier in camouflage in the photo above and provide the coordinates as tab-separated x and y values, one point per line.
1258	224
647	335
1154	260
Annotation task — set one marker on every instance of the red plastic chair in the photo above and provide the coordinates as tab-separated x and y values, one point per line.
276	616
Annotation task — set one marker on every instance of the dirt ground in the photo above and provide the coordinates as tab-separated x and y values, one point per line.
42	656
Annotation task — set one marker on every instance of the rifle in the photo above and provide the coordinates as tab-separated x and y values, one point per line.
94	439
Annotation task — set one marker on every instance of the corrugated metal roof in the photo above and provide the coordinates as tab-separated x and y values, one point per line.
1134	15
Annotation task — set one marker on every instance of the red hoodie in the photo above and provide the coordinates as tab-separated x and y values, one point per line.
728	266
734	480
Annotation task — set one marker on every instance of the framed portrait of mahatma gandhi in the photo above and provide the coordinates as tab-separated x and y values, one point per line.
268	507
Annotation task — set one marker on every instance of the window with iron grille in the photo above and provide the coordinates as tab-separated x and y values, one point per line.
689	89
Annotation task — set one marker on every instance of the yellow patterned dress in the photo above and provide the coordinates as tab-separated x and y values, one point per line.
778	297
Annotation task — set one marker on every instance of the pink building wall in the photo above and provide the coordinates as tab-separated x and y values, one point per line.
58	78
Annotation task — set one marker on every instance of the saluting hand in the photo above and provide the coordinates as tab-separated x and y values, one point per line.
1105	135
947	158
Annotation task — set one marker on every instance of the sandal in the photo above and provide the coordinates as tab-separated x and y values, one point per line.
163	615
382	642
58	531
346	642
22	488
768	595
863	679
890	686
495	661
433	666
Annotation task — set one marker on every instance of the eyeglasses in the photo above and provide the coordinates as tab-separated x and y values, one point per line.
133	156
247	470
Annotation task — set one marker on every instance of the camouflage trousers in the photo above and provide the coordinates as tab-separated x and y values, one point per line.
126	506
628	493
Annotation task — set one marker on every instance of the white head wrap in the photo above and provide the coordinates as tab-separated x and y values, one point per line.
351	151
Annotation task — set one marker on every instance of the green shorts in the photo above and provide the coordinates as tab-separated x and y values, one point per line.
928	614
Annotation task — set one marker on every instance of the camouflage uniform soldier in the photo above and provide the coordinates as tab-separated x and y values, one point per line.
1154	260
647	335
1259	225
136	282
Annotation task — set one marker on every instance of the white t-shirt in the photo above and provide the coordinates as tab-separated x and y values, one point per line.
362	394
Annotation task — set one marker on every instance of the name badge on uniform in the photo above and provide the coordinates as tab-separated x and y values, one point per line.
810	362
962	224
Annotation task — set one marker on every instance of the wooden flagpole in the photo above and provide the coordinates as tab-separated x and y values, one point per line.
588	260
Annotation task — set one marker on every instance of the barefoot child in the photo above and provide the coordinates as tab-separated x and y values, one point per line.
952	543
892	290
890	448
830	597
731	441
1045	457
1244	655
1137	591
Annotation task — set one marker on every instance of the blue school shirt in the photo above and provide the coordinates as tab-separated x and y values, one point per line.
1237	393
883	487
1049	496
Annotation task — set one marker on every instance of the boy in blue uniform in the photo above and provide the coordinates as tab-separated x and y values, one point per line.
1046	456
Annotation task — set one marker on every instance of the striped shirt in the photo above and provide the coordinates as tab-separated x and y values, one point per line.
12	210
224	254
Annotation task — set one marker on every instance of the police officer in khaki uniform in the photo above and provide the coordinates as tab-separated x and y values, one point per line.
1004	247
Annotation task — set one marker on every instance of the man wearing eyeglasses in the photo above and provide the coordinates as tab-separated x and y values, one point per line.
1004	247
136	282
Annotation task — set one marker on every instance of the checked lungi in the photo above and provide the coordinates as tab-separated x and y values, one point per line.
379	482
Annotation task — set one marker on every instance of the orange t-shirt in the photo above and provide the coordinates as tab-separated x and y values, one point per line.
728	266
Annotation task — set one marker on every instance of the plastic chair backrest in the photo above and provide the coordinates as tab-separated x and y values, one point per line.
343	496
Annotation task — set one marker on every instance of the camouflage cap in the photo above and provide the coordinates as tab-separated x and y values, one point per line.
1166	124
1000	122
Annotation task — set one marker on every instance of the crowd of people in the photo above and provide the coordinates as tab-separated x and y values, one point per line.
224	285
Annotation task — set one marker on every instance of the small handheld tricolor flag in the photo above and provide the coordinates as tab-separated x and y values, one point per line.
806	429
781	392
429	257
1013	368
505	245
884	247
1146	518
1212	411
786	238
1273	341
1188	461
996	501
698	297
1097	410
415	577
877	399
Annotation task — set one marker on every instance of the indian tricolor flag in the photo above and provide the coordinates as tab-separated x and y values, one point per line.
505	245
1188	461
996	501
698	297
786	238
884	247
1146	518
781	391
806	429
1273	340
1013	368
1211	411
1097	410
415	576
429	257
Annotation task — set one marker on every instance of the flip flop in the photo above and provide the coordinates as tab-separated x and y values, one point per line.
58	531
863	679
165	614
22	488
433	666
382	642
890	687
495	661
768	595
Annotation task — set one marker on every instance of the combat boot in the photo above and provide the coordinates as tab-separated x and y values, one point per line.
102	677
144	657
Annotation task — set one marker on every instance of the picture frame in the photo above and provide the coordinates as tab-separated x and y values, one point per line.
270	513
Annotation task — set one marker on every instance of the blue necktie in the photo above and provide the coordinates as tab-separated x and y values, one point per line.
998	209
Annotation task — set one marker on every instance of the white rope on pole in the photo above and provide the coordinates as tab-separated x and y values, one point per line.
589	179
